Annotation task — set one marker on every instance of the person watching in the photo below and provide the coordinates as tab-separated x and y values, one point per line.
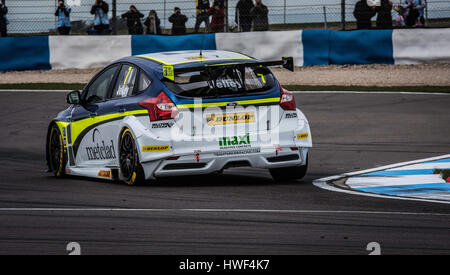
363	14
101	21
260	16
243	17
63	14
178	21
133	17
153	23
3	19
202	15
218	16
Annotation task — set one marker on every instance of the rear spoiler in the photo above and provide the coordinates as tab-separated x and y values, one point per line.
287	63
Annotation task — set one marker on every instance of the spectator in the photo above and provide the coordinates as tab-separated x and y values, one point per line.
421	5
63	14
202	15
363	14
401	17
260	16
133	17
412	13
243	17
153	23
178	21
101	21
218	16
3	19
384	18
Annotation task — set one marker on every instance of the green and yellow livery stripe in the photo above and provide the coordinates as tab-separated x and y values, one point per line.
79	126
224	104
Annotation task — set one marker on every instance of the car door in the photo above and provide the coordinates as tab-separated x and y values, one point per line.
92	135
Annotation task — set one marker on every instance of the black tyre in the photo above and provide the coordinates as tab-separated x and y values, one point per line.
131	168
289	173
56	158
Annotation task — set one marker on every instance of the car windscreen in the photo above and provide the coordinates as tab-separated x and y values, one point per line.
222	81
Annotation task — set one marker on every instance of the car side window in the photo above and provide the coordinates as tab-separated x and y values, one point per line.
98	89
144	82
125	82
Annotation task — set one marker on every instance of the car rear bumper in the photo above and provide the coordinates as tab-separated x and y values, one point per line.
209	163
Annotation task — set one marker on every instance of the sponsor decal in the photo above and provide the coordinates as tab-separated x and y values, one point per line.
168	72
302	136
230	118
156	148
232	104
162	125
225	84
195	57
104	174
238	152
291	115
235	142
100	151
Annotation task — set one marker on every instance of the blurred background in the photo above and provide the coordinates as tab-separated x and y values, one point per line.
37	16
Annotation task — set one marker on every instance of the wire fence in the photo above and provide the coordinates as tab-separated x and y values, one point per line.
38	16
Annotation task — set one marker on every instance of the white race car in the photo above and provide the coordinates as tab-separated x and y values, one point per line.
180	113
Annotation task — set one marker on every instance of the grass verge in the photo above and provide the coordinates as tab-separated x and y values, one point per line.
80	86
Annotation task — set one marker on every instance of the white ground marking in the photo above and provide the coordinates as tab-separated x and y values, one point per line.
323	183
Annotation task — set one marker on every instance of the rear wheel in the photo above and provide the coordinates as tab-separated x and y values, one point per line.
130	166
289	173
56	157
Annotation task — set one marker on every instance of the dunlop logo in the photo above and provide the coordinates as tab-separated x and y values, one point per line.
156	148
230	118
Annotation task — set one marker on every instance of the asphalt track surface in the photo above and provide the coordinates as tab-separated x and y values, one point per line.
350	132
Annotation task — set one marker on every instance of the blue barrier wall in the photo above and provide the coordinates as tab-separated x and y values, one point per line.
316	47
361	47
320	47
142	44
24	53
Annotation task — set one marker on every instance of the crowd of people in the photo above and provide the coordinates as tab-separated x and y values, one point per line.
249	15
410	14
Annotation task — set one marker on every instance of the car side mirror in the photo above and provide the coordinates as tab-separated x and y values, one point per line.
74	97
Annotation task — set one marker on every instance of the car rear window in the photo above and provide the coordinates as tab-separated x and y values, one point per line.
228	81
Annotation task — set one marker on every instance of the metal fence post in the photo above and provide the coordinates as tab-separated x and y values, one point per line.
164	15
284	12
325	16
226	27
114	17
343	14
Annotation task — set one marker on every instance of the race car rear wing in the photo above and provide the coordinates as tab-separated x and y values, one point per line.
170	72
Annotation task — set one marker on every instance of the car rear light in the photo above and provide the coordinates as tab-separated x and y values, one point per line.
160	107
294	148
287	101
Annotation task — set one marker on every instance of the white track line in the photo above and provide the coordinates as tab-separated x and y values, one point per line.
323	183
276	211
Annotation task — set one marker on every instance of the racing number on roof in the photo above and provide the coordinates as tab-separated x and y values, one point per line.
125	82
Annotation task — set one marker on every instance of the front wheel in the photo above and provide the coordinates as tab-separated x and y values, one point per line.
289	173
130	166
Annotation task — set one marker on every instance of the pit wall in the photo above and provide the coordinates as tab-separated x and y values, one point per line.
308	47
